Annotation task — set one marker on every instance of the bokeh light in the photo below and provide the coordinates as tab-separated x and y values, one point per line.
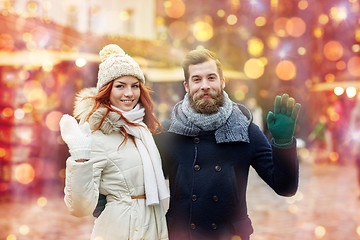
11	237
285	70
323	19
80	62
333	50
231	19
273	42
24	173
303	4
338	13
351	92
254	68
42	201
334	156
175	8
319	232
329	77
24	230
255	47
280	27
260	21
318	32
339	91
340	65
202	31
52	120
295	27
353	66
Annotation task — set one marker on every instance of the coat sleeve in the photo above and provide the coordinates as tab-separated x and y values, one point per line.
277	166
82	183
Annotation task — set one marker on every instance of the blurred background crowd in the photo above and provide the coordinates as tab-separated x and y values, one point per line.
49	51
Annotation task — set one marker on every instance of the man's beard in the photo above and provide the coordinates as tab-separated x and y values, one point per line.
208	105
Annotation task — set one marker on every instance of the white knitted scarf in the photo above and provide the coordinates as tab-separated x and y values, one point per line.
155	186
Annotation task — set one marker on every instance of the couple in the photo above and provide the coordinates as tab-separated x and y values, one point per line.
205	151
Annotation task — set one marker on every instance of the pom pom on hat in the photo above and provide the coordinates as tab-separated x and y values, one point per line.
116	63
111	49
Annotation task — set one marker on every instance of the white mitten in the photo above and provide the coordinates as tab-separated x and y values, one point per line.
76	136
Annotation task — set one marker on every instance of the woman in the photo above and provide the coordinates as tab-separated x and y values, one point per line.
113	153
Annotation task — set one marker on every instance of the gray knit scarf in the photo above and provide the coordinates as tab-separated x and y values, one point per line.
230	123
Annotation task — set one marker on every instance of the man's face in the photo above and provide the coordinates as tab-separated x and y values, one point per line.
205	87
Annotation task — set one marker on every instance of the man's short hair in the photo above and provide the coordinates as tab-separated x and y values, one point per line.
200	56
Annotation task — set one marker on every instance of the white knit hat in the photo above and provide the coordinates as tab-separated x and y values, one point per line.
116	63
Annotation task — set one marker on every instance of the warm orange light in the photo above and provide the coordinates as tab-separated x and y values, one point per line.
260	21
175	8
295	27
202	31
232	19
329	77
280	26
52	120
24	173
318	32
340	65
2	152
323	19
333	50
319	232
255	46
42	201
334	156
354	66
303	4
285	70
254	68
7	112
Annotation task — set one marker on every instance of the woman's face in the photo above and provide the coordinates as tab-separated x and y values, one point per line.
125	93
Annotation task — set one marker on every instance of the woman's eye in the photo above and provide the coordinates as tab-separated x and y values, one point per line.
135	86
119	86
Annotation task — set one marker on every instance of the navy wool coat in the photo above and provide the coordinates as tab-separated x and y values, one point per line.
208	181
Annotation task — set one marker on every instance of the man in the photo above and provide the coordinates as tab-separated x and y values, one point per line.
208	148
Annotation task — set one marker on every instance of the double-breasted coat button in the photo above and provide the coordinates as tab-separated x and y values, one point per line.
192	226
193	197
197	167
196	140
217	168
215	198
213	226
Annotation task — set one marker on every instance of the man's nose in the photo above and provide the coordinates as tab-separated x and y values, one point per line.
205	84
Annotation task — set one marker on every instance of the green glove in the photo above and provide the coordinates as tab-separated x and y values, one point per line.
282	122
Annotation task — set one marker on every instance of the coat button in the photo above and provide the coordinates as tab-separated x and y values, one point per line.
213	226
215	198
197	167
217	168
192	226
194	198
196	140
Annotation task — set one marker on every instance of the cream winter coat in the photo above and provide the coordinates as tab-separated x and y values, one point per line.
116	172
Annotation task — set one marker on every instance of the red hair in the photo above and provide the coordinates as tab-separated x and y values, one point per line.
103	98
